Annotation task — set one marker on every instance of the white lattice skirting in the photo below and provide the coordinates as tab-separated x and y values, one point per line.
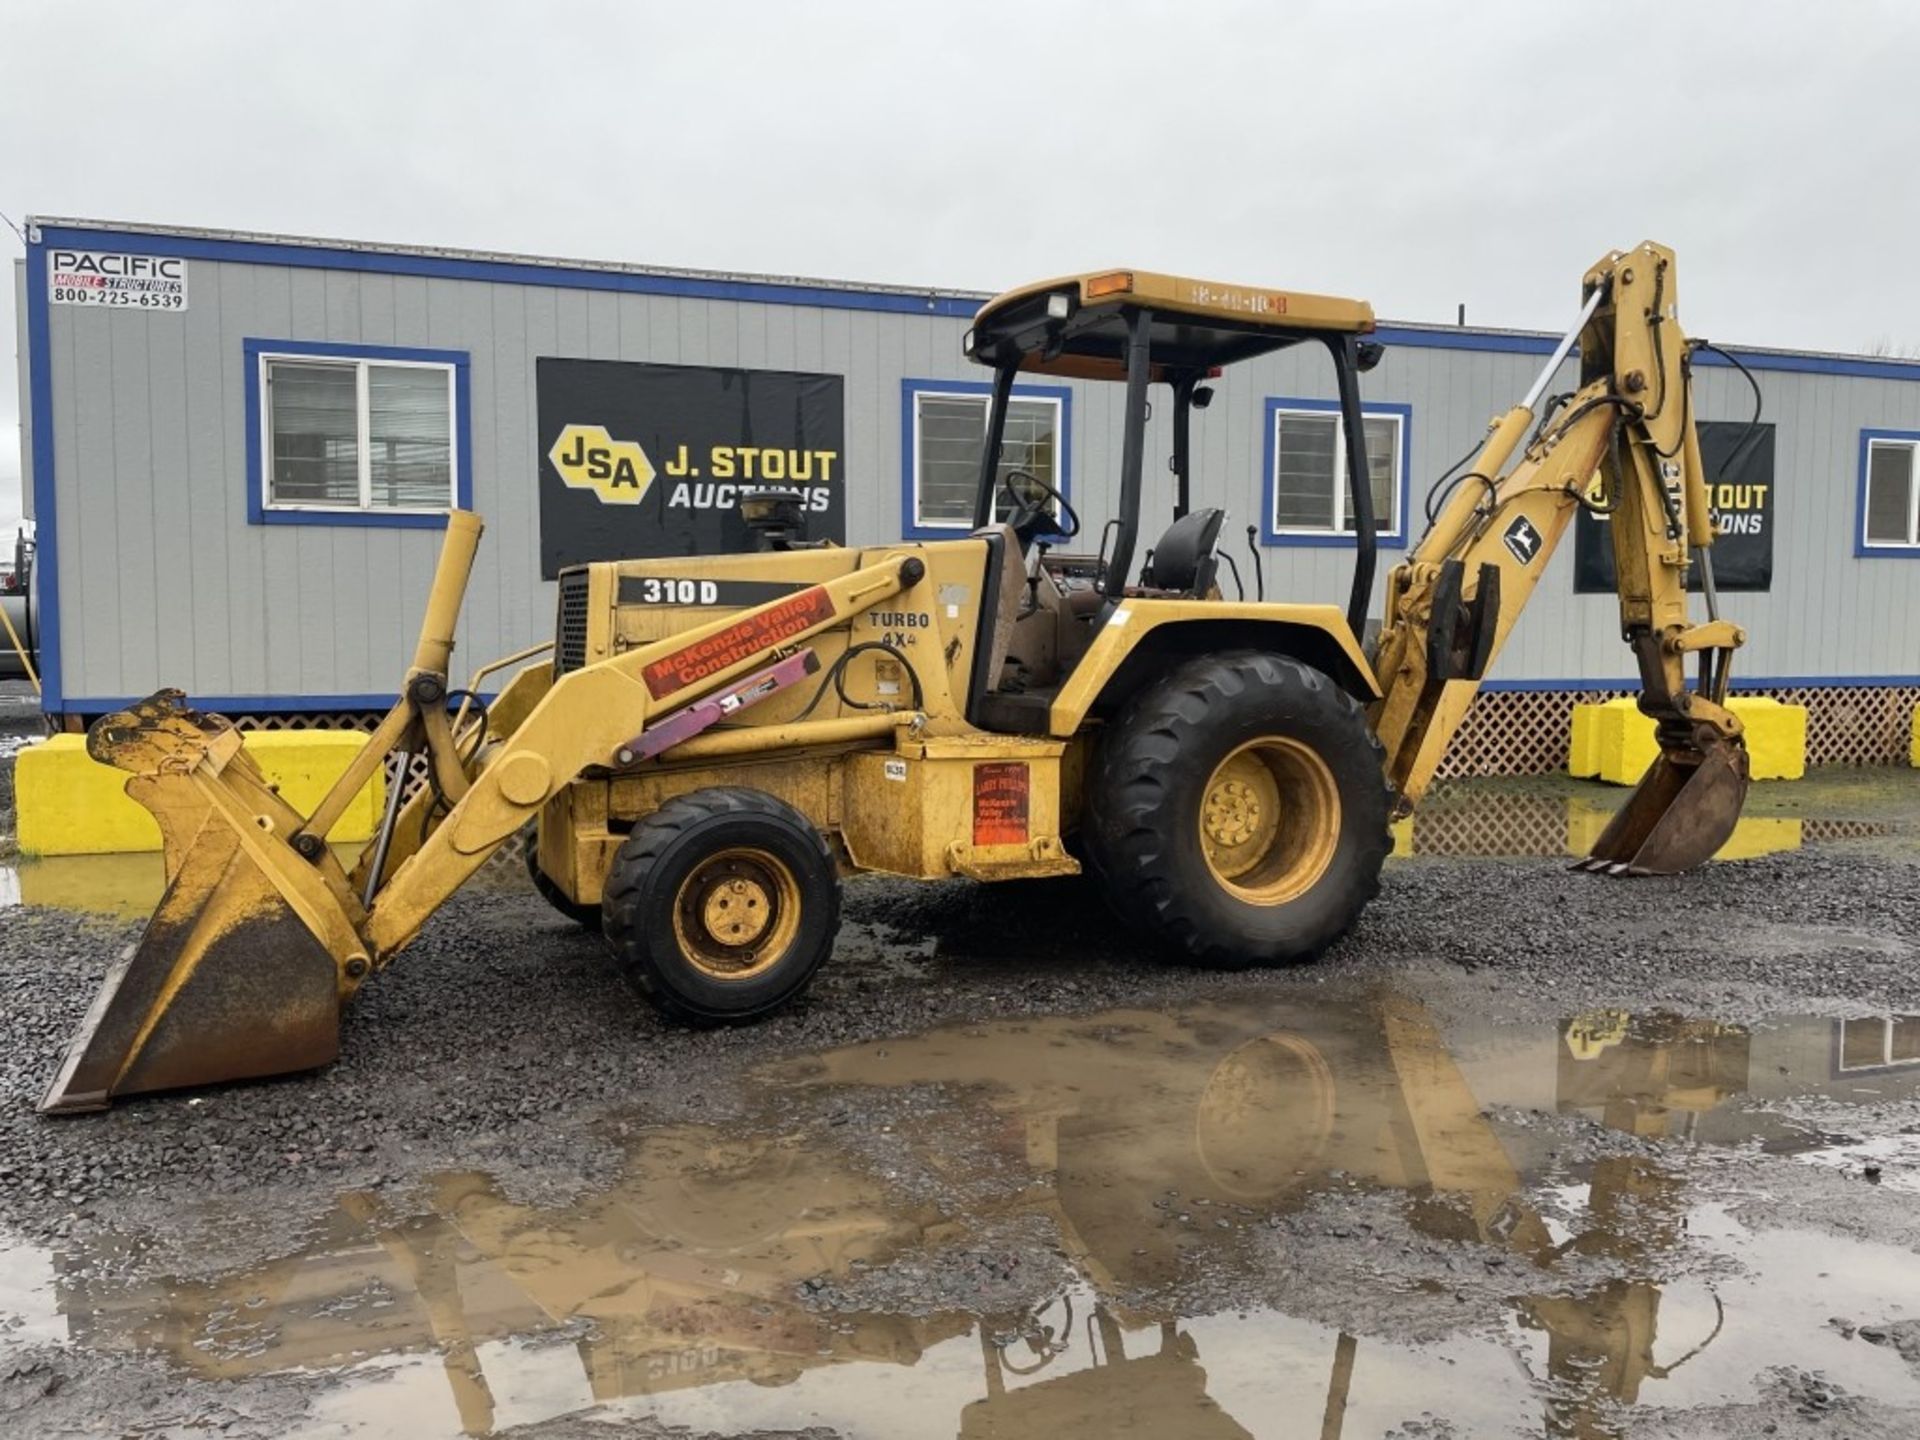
1508	732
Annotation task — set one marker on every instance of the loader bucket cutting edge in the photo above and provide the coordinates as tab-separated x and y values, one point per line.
1681	813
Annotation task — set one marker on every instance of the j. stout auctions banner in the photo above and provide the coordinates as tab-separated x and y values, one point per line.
1740	485
642	461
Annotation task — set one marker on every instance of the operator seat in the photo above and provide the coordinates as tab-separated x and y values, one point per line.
1183	563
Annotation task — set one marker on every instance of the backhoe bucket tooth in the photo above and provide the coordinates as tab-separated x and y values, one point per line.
228	981
1682	811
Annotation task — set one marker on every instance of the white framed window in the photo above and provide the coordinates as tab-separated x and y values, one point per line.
1308	499
945	431
370	435
1890	495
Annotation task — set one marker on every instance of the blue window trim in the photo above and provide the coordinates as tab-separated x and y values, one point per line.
911	390
258	512
1389	540
1860	546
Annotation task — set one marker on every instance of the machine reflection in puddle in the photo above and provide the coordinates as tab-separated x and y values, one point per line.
1230	1197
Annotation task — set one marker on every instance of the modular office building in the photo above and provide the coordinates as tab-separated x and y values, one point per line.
238	449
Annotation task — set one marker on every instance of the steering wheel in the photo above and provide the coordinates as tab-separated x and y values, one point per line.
1031	497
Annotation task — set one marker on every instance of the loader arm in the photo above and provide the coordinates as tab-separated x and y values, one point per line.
1623	444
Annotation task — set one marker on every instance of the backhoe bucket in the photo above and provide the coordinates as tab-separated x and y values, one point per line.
1682	811
232	978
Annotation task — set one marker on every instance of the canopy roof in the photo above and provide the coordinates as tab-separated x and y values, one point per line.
1197	324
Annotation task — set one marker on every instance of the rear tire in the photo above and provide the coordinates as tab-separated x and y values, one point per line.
721	905
585	916
1238	810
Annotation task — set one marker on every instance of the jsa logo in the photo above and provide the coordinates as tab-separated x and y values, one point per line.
588	458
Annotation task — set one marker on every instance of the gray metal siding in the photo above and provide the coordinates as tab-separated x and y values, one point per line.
164	581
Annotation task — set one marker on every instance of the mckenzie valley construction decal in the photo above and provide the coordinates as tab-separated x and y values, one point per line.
743	639
642	461
1740	486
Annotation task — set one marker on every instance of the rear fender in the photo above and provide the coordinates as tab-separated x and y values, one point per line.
1143	639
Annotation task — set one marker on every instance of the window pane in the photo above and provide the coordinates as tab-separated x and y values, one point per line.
410	426
1889	493
952	431
1028	444
1383	459
316	442
1303	472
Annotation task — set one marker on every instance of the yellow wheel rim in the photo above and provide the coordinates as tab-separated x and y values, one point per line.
736	913
1269	821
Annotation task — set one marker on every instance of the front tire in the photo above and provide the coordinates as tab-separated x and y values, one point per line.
721	905
1238	811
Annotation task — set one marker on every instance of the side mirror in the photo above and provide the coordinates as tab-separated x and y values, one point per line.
1367	354
1202	397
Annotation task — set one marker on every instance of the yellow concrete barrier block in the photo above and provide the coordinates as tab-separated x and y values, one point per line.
1618	739
1776	736
1615	742
67	803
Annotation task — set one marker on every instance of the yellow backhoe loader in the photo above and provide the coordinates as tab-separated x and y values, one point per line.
717	739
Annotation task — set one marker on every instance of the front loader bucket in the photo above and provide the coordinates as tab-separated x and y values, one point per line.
1680	813
231	979
225	984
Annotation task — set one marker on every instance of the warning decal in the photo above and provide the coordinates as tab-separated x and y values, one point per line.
1000	790
759	631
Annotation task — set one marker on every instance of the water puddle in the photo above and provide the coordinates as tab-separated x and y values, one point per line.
1550	816
1346	1218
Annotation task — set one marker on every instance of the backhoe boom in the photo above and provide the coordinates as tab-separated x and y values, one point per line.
1624	445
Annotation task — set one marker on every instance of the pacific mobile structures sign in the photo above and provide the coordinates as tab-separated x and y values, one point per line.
116	279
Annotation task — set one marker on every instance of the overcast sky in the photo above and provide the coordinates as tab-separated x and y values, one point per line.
1417	155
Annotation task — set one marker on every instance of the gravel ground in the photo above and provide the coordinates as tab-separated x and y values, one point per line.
503	1041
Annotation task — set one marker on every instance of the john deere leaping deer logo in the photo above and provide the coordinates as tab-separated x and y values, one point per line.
586	457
